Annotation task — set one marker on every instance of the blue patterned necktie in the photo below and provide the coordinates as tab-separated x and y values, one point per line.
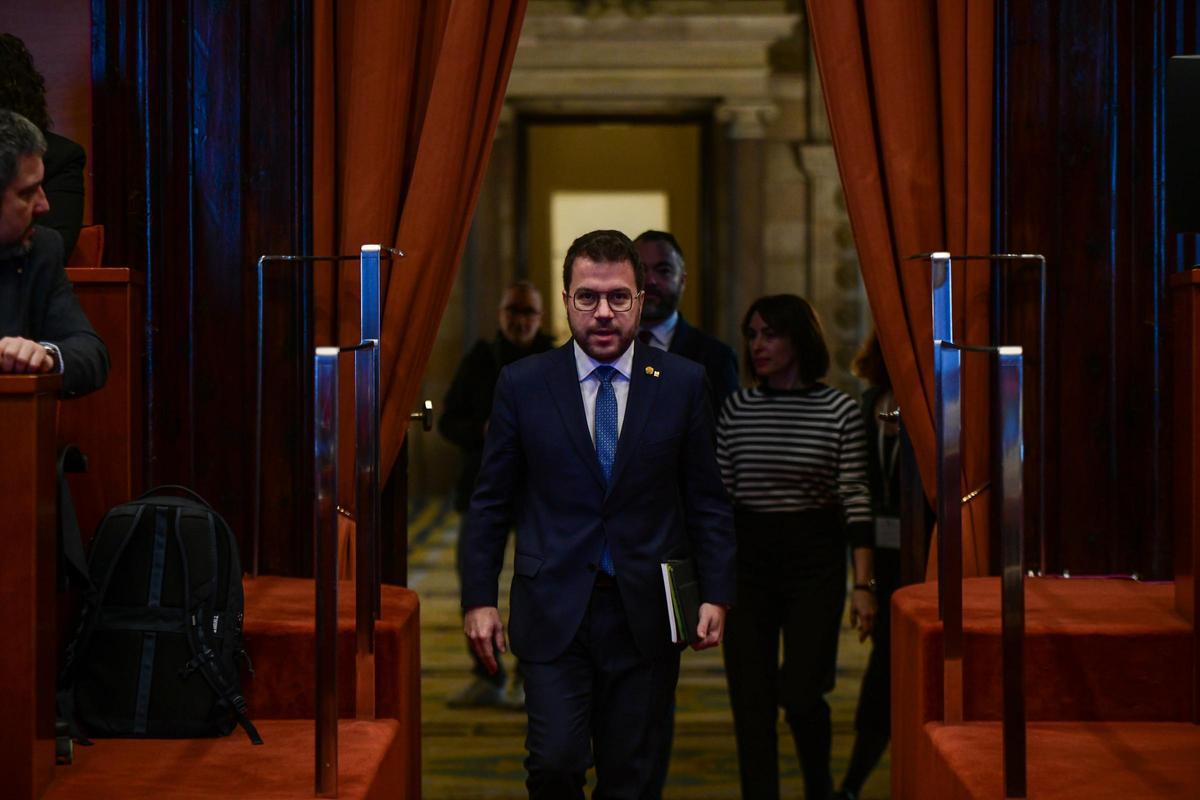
606	439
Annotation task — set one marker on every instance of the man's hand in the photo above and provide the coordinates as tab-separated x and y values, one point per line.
863	608
712	626
23	356
485	631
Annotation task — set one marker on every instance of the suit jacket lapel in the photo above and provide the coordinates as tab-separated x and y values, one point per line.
643	389
563	381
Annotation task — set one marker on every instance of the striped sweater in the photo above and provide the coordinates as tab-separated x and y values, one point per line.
797	450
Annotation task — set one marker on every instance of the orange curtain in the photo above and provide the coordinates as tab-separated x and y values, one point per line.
406	100
908	89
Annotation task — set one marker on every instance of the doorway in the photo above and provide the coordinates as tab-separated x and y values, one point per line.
630	175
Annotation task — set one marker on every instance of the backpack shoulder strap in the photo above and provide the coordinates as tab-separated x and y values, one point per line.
87	626
70	538
91	611
205	660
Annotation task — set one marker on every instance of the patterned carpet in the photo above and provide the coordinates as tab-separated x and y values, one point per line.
478	753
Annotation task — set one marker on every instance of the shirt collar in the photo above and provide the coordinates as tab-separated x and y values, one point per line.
585	364
663	331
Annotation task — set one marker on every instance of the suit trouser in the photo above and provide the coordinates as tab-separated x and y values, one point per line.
600	702
791	579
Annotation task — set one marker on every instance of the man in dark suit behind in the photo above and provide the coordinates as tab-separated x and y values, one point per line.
42	327
601	454
665	328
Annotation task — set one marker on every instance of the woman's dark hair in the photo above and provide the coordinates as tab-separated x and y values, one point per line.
868	364
22	88
790	316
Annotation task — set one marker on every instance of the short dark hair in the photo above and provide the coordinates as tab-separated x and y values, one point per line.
793	317
604	246
22	88
18	138
660	236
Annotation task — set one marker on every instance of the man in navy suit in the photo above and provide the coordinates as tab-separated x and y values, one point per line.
664	327
601	454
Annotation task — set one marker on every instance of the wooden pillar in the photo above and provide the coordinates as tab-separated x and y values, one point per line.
1185	311
27	590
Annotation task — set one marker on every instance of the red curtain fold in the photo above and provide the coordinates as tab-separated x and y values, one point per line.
407	97
908	90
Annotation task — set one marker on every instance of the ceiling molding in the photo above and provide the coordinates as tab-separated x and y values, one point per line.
677	54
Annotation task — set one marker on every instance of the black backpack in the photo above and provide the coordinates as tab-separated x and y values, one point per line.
156	651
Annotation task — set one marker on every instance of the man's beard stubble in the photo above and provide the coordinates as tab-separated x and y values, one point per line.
658	307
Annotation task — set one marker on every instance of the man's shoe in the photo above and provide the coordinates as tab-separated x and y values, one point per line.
844	794
479	693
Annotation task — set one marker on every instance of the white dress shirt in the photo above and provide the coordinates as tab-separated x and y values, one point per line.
662	334
589	384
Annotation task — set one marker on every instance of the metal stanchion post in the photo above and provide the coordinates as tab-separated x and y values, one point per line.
325	526
947	382
367	567
1012	587
947	364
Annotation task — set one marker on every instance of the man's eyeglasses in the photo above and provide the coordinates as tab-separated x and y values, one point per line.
618	299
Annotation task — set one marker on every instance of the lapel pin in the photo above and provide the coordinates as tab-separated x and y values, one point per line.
649	370
657	373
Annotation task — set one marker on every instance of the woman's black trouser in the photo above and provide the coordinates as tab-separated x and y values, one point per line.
791	578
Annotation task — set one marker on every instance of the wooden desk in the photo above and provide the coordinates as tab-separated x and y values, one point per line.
107	425
28	665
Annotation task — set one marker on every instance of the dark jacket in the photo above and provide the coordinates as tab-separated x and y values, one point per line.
37	302
63	184
468	403
720	364
540	472
875	468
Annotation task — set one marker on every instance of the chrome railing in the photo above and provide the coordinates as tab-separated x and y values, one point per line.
303	272
367	572
948	358
325	436
368	539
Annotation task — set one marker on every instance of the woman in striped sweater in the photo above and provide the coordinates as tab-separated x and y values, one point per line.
793	456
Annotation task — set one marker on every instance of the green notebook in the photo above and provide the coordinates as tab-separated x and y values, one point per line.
682	588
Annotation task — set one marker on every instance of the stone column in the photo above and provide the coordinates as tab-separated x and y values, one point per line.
836	282
737	275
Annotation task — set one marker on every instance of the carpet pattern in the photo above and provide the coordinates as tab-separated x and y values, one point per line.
478	753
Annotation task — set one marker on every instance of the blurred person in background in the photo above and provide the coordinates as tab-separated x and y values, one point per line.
465	412
873	718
